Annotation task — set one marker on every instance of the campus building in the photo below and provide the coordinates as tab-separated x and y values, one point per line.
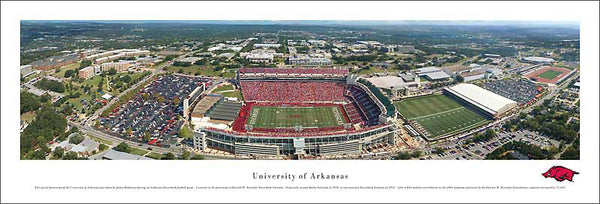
305	60
489	103
87	72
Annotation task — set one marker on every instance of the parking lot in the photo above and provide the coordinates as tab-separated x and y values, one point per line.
459	151
153	111
520	90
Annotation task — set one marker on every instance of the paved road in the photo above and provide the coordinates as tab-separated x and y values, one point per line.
116	140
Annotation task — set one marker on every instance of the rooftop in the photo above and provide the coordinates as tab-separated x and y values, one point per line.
116	155
485	99
387	81
427	70
437	75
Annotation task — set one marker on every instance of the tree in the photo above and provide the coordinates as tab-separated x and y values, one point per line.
168	156
51	85
76	139
489	133
69	73
112	71
47	125
197	157
125	79
403	156
185	132
416	154
200	62
170	57
38	155
85	63
57	70
460	78
185	156
123	147
58	152
45	98
147	136
102	147
29	102
70	156
439	150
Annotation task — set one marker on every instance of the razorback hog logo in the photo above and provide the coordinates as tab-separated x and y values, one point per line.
560	173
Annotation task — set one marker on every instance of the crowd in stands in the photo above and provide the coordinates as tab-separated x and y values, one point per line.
367	105
391	110
354	113
295	72
292	91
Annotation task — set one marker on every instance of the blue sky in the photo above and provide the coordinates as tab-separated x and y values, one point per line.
572	24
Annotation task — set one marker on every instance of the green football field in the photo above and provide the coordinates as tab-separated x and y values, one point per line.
550	74
286	117
439	114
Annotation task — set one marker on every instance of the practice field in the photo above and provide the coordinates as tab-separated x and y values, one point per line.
550	74
439	115
425	105
288	117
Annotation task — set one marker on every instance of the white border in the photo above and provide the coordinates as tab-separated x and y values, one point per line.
18	177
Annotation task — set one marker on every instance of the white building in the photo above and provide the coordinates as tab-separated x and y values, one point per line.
305	60
484	100
26	70
538	60
266	45
432	73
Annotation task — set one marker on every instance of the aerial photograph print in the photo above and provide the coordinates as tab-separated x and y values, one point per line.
299	90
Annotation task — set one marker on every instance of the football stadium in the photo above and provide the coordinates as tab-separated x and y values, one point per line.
550	75
295	111
458	109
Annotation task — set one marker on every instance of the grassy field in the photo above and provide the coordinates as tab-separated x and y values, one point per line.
133	76
154	155
272	117
93	82
427	105
138	151
450	122
439	114
550	74
233	94
201	70
100	140
77	101
222	88
228	91
369	71
63	69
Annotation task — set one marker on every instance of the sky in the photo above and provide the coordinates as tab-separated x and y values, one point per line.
572	24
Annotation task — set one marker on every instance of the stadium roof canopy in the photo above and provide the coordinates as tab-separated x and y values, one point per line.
484	99
387	82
